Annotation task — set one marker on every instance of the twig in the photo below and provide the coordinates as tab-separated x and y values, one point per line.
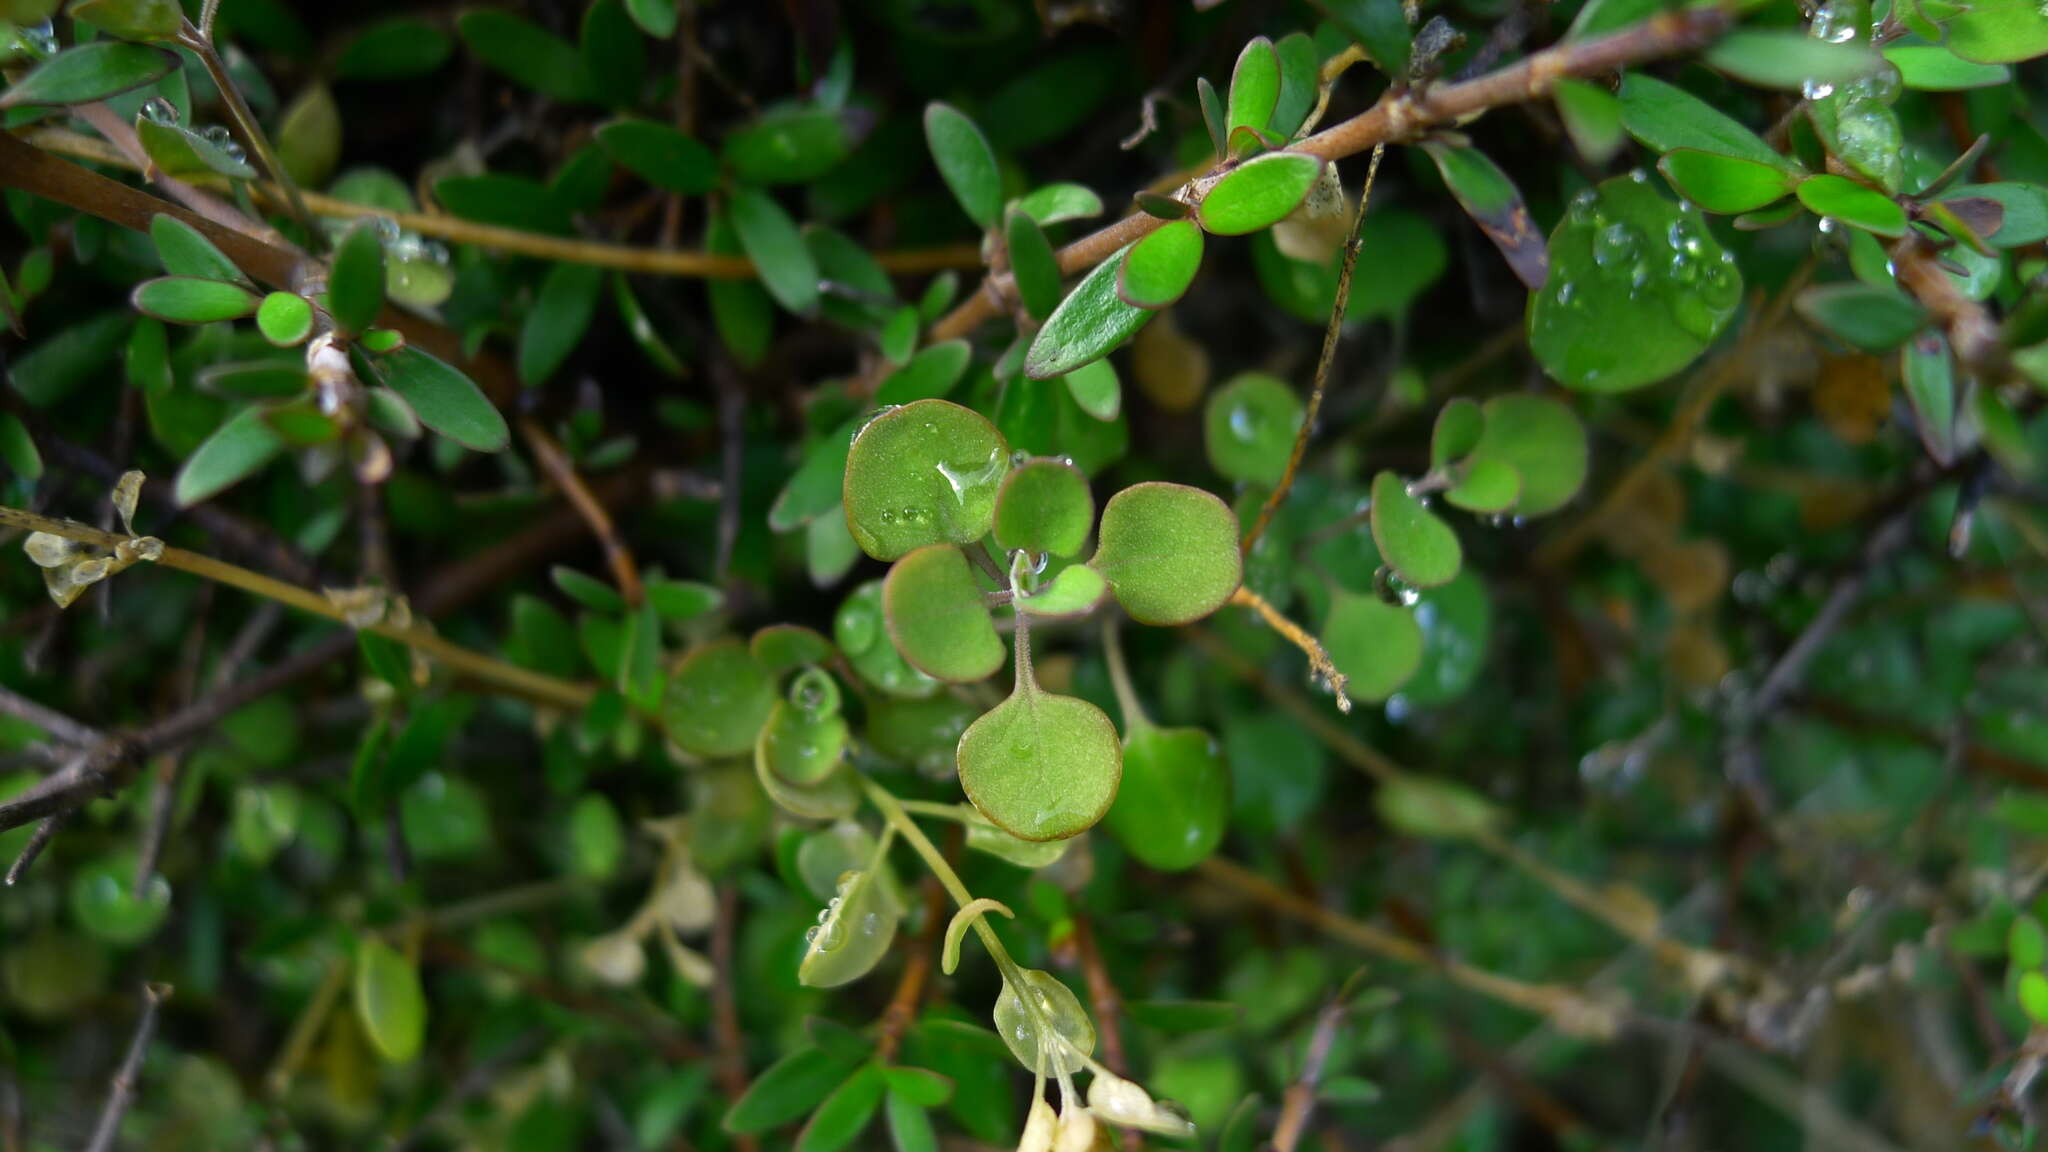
37	841
555	462
1328	356
1102	995
1319	662
1699	966
731	1055
917	967
636	259
61	727
1400	115
509	677
1573	1012
199	40
1299	1101
122	1092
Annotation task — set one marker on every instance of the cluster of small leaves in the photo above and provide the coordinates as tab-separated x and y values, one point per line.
768	718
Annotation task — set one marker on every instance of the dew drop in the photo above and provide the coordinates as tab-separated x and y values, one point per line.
1388	585
1615	245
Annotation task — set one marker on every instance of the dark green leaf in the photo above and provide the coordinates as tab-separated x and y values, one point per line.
88	72
526	53
392	48
1866	318
789	1088
966	162
185	252
446	401
772	242
661	155
1087	325
1665	117
559	319
355	284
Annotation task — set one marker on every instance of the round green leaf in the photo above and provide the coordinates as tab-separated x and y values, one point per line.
1485	484
1638	288
1158	269
1249	426
2026	943
1169	552
389	1002
1456	622
285	318
852	935
779	648
831	852
355	283
1418	545
861	633
1724	184
182	300
1543	441
718	699
1853	204
965	162
937	617
1076	590
88	72
925	473
1040	766
1456	432
1059	1009
804	740
1044	505
104	904
1087	325
1173	805
1376	645
835	797
1257	193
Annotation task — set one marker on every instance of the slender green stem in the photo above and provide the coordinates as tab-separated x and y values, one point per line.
893	812
933	808
1120	677
200	40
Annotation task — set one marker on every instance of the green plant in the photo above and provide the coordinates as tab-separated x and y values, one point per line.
1692	605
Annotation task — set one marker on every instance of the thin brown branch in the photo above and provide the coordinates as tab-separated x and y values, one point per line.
1328	356
731	1053
1572	1012
199	41
121	1093
562	472
37	841
636	259
1102	995
1319	663
917	966
60	727
1298	1103
511	678
1402	115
